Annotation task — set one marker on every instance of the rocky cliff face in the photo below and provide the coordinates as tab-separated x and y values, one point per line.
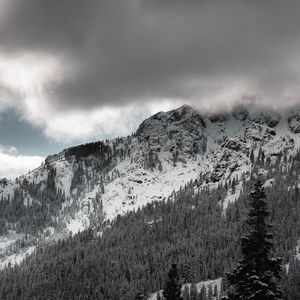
181	130
89	184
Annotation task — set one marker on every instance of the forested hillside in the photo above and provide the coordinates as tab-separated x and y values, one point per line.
134	252
84	185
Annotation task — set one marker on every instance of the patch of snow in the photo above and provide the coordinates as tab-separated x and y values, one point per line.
269	183
199	285
137	186
298	250
64	175
78	224
151	222
231	197
287	267
16	258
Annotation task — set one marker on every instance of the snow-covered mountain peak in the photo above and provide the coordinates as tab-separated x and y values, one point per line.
180	132
184	120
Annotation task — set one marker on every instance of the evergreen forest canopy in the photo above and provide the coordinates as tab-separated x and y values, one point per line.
135	251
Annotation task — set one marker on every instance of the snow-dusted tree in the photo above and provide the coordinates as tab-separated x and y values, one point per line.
158	296
186	293
210	293
256	275
193	292
172	290
203	293
216	294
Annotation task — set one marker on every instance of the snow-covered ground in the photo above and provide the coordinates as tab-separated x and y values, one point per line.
232	196
17	257
136	187
199	285
11	251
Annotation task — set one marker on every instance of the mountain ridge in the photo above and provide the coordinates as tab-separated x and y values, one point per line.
96	182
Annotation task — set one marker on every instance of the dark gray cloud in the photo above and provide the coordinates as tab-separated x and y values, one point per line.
120	51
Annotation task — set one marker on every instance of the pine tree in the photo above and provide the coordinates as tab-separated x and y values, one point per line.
233	186
203	293
186	293
210	293
252	158
255	277
158	297
172	290
193	292
216	291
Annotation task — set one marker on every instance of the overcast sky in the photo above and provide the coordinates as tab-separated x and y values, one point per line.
73	71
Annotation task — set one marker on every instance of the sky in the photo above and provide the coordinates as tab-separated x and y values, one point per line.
74	71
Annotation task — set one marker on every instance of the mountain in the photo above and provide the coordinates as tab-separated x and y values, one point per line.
89	184
175	189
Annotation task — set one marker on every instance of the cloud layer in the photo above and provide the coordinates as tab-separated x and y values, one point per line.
13	165
77	68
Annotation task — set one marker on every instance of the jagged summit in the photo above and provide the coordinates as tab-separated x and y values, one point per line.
177	117
180	130
185	120
187	110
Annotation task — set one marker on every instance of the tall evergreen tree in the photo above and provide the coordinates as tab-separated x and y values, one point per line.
203	293
193	292
158	297
255	277
210	293
186	293
172	290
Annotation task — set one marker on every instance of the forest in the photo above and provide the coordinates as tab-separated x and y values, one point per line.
133	254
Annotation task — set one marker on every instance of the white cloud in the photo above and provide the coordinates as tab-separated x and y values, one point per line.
13	164
26	81
27	84
29	74
98	123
